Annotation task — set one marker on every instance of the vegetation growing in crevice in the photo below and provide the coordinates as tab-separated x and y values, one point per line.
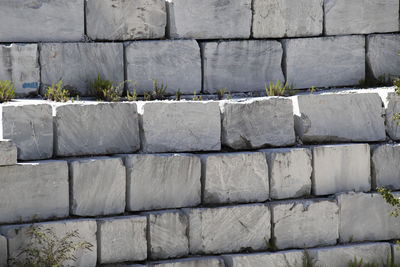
7	91
57	93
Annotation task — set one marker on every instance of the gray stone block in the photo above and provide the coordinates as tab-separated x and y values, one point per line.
95	128
122	239
340	168
180	126
209	19
284	258
366	217
369	253
241	66
361	17
34	190
257	122
20	64
342	117
126	20
235	178
325	61
176	64
8	153
78	64
19	239
168	234
3	251
289	172
229	229
98	186
392	107
381	55
29	124
273	18
385	166
162	181
396	253
305	223
41	21
191	262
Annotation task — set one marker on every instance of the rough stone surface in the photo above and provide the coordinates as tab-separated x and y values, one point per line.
392	107
275	18
370	253
162	181
98	186
339	117
385	166
306	223
192	262
325	61
241	66
176	64
29	125
289	172
229	229
78	64
360	17
125	20
3	251
209	19
17	238
396	253
33	190
41	21
94	128
237	177
122	239
340	168
180	126
278	259
20	64
257	122
381	58
366	217
8	153
168	235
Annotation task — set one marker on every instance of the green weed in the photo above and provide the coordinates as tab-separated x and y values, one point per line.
7	91
57	93
158	91
197	97
278	90
104	90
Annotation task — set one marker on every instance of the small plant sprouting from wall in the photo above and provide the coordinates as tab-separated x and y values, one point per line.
197	97
6	91
104	89
57	93
132	97
158	91
278	90
220	93
178	95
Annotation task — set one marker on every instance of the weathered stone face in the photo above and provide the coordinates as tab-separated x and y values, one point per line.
241	66
122	239
286	18
209	19
8	153
192	262
392	107
325	61
3	251
278	259
385	166
78	64
176	64
126	20
41	21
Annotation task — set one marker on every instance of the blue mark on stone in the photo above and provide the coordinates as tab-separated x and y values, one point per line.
30	85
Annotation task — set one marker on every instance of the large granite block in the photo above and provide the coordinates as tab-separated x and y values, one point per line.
19	239
122	239
8	153
340	168
34	190
305	223
325	61
29	124
209	19
95	128
235	178
257	123
3	251
78	64
162	181
41	21
289	172
125	20
19	63
286	18
385	166
180	126
241	66
342	117
361	17
191	262
229	229
174	63
392	107
366	217
284	258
